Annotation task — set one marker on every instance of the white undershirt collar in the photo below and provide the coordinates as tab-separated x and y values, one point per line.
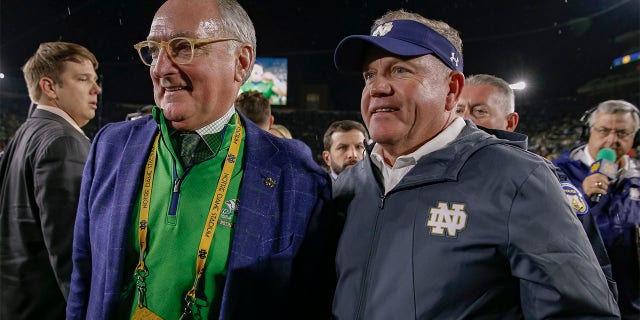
404	163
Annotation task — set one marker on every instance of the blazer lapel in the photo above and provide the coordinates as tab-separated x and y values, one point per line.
258	189
129	178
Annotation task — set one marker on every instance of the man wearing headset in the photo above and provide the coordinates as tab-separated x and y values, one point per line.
613	124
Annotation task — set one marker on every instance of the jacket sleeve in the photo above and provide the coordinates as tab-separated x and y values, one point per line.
57	176
81	275
593	234
314	275
549	252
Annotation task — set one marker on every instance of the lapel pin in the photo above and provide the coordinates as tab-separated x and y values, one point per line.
270	182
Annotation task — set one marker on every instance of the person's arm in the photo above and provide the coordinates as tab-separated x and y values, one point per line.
314	277
57	176
549	252
81	275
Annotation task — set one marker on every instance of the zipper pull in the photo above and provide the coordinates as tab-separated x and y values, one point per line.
382	197
176	185
175	195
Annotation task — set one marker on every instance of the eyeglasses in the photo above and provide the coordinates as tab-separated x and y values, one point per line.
180	49
605	132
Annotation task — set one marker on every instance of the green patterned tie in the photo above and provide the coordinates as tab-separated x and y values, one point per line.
188	144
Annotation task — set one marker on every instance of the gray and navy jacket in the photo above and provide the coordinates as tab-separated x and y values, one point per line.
479	229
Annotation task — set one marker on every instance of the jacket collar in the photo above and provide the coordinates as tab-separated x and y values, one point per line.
445	164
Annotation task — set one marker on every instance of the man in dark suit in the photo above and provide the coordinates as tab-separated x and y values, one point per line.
40	176
194	211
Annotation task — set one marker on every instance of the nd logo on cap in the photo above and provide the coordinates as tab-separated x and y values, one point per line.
382	29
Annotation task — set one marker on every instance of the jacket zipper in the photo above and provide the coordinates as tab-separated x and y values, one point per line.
175	195
372	252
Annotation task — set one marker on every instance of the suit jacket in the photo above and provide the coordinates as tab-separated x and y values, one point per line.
40	176
281	258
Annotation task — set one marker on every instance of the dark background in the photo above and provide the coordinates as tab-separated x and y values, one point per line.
556	46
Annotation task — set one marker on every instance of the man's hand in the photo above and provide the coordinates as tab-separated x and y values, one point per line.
595	183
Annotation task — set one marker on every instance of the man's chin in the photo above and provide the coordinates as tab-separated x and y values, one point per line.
172	114
182	125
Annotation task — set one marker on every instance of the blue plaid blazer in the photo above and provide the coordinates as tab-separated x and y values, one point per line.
281	259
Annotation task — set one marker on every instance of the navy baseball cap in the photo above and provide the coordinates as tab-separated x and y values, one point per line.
404	38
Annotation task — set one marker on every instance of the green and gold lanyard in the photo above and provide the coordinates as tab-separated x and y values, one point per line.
142	312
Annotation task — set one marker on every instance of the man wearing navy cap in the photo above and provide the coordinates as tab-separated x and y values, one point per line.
445	221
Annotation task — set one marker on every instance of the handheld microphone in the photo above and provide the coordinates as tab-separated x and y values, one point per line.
605	164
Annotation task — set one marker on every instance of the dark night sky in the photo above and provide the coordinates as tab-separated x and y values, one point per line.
554	45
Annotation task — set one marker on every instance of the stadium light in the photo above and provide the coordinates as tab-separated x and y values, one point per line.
1	75
520	85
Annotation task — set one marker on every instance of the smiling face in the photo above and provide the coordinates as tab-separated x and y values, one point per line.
195	94
407	102
76	92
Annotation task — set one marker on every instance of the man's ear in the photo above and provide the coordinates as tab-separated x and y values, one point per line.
48	88
325	157
456	83
512	121
244	63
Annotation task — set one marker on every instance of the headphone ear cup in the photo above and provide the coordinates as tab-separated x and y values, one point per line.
584	121
584	132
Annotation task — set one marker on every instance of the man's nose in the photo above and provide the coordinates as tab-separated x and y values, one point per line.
354	153
380	87
163	63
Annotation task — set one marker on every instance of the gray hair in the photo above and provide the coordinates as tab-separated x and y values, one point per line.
616	107
508	97
236	23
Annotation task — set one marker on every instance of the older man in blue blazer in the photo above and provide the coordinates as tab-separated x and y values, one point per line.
194	211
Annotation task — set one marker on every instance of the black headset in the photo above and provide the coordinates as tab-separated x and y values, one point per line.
584	121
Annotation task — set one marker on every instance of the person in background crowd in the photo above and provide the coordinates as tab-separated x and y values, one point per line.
344	143
489	102
40	176
255	106
613	124
434	228
280	131
196	212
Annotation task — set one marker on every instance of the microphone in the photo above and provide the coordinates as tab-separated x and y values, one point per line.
605	164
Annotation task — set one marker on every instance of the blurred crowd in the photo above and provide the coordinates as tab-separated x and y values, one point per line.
12	114
553	129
